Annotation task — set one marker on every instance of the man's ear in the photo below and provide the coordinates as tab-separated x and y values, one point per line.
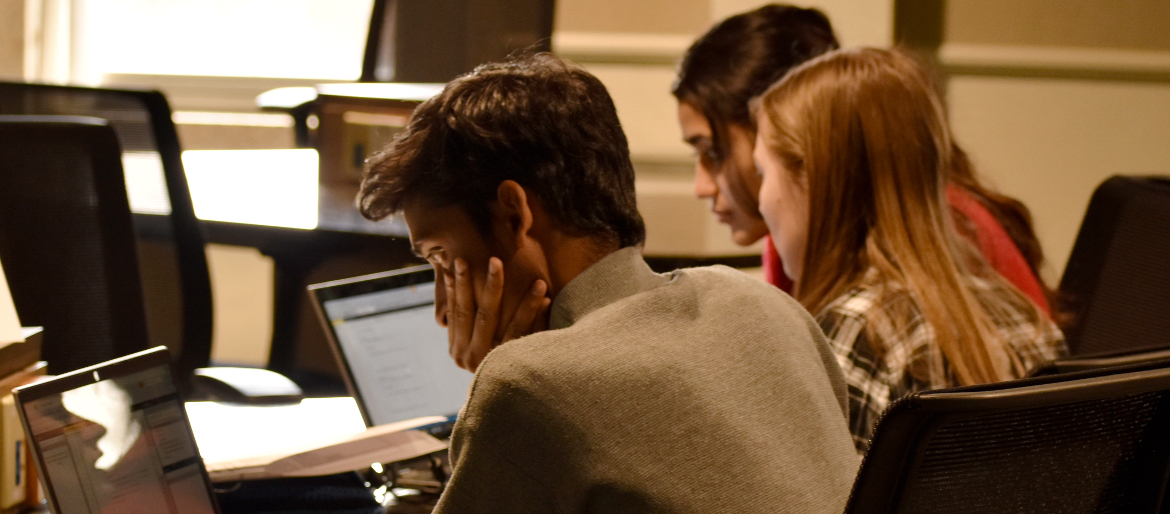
512	213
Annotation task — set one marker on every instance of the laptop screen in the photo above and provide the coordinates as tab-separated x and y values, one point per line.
116	440
395	355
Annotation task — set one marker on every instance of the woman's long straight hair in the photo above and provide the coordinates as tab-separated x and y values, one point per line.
864	132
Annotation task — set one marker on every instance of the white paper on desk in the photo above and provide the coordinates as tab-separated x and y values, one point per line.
227	431
382	444
9	322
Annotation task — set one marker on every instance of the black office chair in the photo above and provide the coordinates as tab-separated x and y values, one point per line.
1091	441
66	239
1116	284
171	247
68	249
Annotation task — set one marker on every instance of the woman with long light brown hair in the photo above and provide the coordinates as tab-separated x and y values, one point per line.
854	150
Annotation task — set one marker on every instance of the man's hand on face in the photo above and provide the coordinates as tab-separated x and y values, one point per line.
474	325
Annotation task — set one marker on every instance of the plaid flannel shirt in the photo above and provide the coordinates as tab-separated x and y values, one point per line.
911	360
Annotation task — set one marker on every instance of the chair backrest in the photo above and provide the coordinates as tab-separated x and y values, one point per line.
170	243
437	40
66	239
1117	280
1091	362
1082	442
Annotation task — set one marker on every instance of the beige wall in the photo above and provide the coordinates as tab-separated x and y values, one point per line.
625	16
1051	142
241	280
11	39
1126	24
1051	98
856	22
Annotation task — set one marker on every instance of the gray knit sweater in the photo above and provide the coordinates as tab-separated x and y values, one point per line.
703	390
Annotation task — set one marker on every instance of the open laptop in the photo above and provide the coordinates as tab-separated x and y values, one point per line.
114	438
392	354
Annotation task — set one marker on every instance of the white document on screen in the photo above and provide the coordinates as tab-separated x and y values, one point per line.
9	323
400	362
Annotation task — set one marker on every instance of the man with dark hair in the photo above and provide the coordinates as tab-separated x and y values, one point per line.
600	385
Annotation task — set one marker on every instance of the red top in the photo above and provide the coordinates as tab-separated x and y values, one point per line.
773	267
994	243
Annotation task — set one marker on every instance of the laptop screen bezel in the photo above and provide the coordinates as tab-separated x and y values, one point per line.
120	367
357	286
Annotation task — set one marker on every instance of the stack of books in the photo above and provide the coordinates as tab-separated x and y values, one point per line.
20	363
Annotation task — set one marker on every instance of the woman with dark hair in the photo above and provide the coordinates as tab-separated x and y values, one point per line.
737	60
856	156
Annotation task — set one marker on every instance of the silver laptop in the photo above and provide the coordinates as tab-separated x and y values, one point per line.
392	354
115	438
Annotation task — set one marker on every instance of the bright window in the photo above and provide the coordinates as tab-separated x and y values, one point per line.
310	39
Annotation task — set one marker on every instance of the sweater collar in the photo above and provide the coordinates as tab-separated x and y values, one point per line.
618	275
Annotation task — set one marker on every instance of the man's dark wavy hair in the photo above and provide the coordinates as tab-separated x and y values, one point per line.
545	124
